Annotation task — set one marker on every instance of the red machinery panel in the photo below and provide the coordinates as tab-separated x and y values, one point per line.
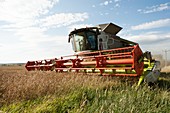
119	62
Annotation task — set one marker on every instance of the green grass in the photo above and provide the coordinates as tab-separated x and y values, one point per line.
77	93
122	99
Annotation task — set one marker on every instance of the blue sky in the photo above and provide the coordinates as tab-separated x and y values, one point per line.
38	29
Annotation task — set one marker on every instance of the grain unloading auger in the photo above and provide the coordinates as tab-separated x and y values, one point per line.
100	50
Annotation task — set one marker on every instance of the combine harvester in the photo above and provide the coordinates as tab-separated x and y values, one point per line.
99	50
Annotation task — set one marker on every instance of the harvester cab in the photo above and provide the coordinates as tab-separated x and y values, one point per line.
102	37
99	50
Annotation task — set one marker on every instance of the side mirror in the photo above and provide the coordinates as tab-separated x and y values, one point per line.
69	38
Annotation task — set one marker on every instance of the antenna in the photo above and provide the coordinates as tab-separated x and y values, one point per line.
166	53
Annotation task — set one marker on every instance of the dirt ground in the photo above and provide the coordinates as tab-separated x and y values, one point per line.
166	69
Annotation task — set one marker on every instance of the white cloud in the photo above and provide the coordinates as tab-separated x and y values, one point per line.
117	5
93	5
20	10
21	14
155	41
25	18
117	0
77	26
149	37
105	3
31	34
27	21
63	19
19	24
22	52
155	8
153	24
